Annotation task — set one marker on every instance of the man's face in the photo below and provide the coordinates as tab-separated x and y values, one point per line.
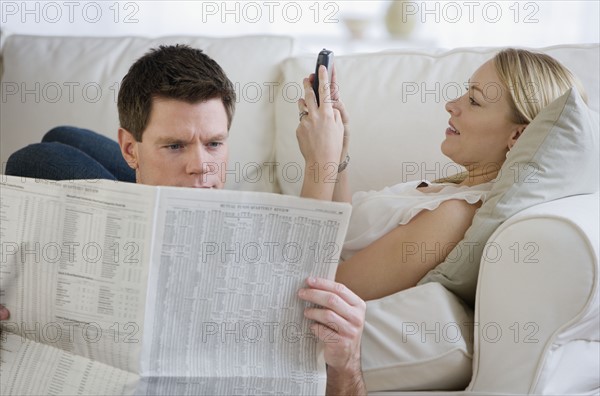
183	145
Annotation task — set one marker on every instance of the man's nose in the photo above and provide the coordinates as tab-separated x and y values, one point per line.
195	160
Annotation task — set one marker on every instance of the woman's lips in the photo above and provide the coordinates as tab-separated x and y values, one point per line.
451	131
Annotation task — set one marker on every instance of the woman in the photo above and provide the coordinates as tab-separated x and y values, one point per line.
481	130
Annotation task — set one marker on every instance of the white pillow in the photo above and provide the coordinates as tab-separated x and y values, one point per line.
557	156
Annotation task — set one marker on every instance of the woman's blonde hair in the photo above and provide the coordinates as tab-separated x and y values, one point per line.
533	81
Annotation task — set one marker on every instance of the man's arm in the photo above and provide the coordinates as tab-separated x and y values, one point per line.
339	322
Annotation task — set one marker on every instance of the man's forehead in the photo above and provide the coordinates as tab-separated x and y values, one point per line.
181	121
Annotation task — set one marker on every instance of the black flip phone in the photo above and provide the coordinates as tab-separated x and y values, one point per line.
325	58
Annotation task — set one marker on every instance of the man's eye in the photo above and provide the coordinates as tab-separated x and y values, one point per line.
215	144
176	146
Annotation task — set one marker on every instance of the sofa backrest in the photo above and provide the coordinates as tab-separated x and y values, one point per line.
395	100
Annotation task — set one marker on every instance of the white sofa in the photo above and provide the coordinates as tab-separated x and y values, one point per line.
547	312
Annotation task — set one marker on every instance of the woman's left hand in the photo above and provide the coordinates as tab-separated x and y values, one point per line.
336	101
321	131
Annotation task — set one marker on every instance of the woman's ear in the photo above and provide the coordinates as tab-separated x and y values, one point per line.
128	146
515	135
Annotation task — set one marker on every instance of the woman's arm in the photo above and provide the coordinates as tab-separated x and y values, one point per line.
341	192
320	137
399	259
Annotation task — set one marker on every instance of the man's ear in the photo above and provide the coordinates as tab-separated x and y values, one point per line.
518	131
128	146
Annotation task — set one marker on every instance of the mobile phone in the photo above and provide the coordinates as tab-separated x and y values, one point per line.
325	58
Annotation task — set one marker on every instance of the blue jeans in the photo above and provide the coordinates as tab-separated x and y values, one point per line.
69	153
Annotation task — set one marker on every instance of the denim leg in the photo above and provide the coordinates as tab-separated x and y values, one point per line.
55	161
104	150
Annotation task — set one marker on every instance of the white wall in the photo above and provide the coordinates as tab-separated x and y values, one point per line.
439	23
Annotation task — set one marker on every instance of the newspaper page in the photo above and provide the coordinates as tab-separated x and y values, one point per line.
223	316
73	272
193	291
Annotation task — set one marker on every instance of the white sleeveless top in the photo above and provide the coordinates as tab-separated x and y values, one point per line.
375	213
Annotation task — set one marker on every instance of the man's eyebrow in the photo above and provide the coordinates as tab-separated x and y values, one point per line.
219	136
168	140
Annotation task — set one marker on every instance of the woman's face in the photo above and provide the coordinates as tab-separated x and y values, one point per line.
481	131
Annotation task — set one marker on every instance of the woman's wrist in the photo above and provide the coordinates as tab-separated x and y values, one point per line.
343	164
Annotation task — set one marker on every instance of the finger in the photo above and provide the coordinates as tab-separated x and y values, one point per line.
334	322
337	288
326	101
337	116
325	334
336	307
339	105
4	314
310	100
333	88
333	73
301	105
327	318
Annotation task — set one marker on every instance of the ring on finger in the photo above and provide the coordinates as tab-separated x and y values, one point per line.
302	114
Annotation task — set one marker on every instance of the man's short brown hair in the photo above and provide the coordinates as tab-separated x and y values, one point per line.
171	72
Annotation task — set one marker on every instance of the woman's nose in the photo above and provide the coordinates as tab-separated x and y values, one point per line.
452	106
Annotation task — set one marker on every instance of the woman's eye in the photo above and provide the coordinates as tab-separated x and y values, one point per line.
472	101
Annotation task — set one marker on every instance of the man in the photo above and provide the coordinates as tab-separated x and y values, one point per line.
175	107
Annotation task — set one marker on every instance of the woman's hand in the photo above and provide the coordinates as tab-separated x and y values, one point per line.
321	131
334	90
321	138
339	322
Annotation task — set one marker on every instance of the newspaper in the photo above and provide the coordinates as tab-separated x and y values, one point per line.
118	288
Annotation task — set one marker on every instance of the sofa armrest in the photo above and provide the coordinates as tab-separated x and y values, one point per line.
537	302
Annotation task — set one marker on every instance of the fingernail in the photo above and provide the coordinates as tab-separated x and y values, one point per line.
311	279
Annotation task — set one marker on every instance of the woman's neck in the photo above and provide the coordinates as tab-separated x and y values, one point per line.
479	176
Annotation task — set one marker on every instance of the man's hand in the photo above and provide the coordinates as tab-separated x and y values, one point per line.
4	314
338	325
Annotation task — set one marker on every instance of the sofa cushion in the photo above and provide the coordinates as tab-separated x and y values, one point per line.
51	81
556	156
396	104
418	339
